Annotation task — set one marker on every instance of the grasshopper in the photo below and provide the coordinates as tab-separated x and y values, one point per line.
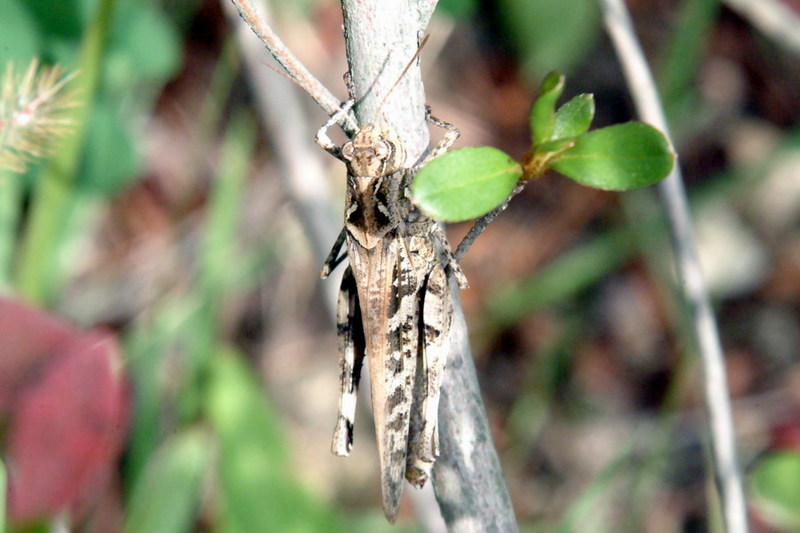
394	304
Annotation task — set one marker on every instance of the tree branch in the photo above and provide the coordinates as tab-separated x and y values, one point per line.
381	37
468	477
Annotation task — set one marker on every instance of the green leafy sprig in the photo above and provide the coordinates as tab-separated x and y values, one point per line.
471	182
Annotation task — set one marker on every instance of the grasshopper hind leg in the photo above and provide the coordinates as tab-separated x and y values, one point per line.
352	348
434	348
436	316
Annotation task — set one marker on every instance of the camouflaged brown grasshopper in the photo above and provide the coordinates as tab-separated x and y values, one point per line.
394	303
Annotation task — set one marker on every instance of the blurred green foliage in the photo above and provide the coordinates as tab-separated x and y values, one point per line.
458	9
166	497
206	446
243	448
255	479
550	35
20	37
141	52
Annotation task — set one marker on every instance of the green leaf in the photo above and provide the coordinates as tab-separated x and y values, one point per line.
257	489
542	116
143	48
775	489
680	60
574	117
165	497
465	183
617	158
62	19
223	216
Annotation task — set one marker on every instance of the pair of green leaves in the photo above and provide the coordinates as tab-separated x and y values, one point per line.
469	182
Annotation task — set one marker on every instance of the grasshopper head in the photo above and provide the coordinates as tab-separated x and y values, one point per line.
374	151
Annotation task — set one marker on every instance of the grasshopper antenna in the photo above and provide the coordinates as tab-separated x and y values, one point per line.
400	77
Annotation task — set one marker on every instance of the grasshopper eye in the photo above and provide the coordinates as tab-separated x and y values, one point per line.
383	150
347	150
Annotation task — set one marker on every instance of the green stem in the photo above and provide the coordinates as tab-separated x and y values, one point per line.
37	273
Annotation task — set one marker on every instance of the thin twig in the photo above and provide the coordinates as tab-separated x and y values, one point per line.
700	317
296	70
482	223
302	171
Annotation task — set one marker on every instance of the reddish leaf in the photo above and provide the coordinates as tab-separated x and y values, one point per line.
28	339
67	429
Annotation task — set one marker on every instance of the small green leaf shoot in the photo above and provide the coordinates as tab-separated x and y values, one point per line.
542	115
574	117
